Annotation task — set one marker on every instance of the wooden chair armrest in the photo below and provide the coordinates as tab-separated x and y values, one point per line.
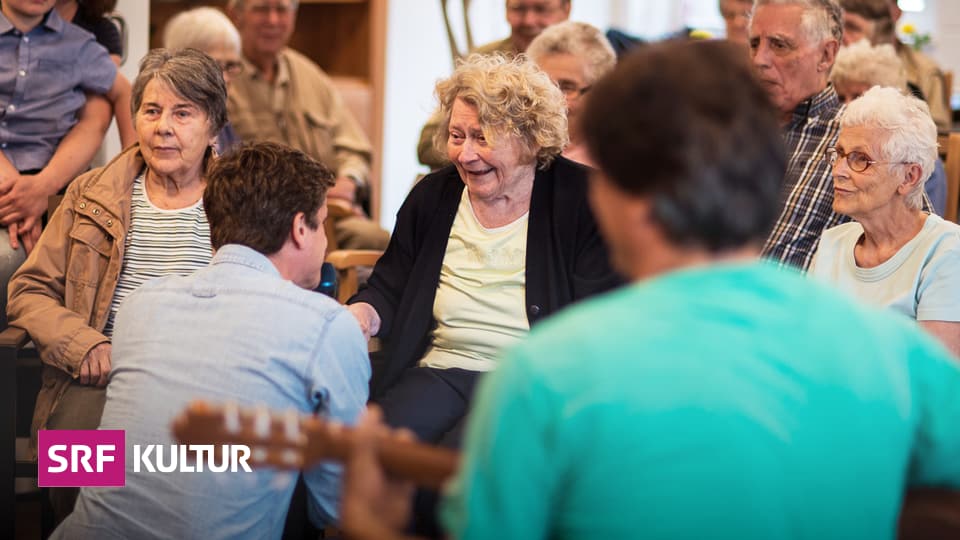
345	258
14	338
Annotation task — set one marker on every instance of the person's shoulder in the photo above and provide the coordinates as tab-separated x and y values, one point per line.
941	237
567	175
302	64
504	46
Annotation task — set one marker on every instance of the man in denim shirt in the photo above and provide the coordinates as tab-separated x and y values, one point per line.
247	328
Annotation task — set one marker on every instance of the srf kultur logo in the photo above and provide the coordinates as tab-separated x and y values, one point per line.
77	458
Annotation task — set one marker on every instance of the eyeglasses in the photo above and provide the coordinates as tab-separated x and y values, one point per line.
571	89
539	10
231	67
857	161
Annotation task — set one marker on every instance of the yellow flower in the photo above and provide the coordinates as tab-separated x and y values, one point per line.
908	28
700	34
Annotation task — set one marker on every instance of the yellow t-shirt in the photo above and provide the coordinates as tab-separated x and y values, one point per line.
479	307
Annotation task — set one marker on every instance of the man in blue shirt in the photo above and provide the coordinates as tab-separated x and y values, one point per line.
247	329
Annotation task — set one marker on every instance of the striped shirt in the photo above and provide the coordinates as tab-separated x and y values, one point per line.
159	243
808	183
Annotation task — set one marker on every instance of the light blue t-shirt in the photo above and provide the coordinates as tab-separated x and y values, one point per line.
724	402
921	281
233	330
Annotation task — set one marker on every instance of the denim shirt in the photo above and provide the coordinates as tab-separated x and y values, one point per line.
46	72
233	330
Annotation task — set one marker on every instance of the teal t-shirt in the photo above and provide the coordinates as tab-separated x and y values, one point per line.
726	402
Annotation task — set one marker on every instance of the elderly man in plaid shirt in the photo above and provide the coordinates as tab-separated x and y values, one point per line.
793	44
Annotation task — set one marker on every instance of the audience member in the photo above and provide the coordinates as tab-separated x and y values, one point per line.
893	254
208	30
53	119
876	20
861	66
483	249
139	217
527	18
793	44
246	328
282	96
736	17
575	55
611	421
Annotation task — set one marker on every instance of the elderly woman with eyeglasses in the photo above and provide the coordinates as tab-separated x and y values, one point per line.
894	254
210	31
575	55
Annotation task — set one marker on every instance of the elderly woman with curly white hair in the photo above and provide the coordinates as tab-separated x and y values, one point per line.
482	249
894	254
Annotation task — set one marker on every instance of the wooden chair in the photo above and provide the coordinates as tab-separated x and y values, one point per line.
953	176
337	209
347	262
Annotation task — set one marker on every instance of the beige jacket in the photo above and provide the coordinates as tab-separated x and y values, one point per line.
62	293
924	73
303	110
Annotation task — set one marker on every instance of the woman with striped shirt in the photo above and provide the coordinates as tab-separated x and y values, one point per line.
139	217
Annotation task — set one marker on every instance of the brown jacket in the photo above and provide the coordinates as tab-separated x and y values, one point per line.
61	295
302	109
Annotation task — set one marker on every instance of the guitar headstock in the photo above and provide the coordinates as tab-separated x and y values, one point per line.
285	440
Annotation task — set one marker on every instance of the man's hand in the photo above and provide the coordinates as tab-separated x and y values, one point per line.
95	368
373	505
345	189
368	318
23	199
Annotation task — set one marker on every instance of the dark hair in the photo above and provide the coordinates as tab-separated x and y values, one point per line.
95	9
189	73
255	190
868	9
687	125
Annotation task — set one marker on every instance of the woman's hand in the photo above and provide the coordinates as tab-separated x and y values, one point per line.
95	368
368	318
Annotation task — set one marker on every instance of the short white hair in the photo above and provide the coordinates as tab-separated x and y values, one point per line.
873	65
202	28
581	40
908	133
821	19
238	4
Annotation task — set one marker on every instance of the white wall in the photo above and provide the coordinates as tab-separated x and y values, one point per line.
137	15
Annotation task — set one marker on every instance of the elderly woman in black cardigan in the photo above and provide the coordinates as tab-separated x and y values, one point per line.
482	249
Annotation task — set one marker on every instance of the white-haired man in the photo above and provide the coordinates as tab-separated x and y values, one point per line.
793	44
283	96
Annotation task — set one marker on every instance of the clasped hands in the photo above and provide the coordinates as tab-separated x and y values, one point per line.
23	200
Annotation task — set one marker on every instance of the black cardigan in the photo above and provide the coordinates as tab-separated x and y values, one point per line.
566	258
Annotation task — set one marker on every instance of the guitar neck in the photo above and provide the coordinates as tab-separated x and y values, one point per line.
291	441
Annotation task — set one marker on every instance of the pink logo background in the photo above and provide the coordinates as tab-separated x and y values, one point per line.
113	472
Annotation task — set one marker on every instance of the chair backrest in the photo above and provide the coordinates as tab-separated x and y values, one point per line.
347	262
337	209
953	177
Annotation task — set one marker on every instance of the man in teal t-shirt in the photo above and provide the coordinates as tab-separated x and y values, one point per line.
717	396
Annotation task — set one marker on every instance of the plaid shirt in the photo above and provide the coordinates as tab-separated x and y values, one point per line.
808	184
